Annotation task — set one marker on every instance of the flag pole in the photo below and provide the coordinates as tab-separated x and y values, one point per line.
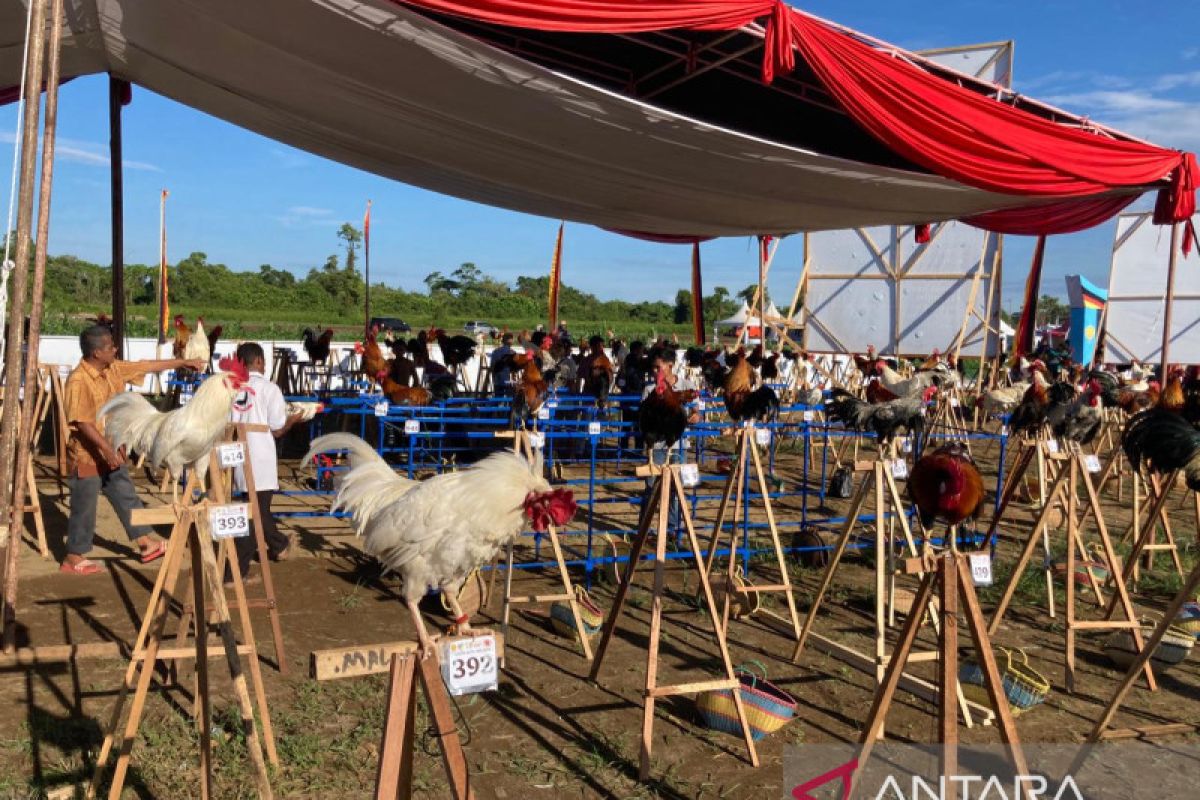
163	301
367	270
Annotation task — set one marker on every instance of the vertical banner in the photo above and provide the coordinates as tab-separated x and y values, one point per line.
555	278
367	270
1023	340
697	296
164	297
1087	313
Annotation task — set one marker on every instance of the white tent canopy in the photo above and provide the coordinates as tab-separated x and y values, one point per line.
378	86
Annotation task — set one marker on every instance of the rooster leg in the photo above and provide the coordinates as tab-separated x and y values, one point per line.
428	648
462	622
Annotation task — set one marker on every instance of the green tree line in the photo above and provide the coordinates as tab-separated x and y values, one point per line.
274	301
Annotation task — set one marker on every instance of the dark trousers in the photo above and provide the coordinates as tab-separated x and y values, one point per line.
118	488
247	546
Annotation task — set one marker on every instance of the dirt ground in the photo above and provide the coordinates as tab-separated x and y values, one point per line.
548	731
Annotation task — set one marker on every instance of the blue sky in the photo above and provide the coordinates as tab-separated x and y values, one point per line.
246	200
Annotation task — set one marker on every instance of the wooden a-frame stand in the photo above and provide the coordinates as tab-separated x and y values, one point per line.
747	453
190	534
1071	471
951	578
393	781
522	445
669	485
1143	534
220	485
880	482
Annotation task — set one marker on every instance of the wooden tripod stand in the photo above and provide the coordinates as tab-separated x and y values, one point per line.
880	482
220	484
1143	534
393	781
523	445
190	533
747	453
950	576
668	485
1066	482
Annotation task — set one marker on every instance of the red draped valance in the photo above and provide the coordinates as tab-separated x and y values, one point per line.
951	131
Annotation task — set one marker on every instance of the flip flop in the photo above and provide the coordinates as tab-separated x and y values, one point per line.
84	567
155	554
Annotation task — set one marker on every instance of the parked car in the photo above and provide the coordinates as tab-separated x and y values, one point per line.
478	327
390	324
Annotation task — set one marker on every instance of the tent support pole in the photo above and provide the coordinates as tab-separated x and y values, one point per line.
11	516
1170	301
116	91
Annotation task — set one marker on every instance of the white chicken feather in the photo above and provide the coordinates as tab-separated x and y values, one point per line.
197	348
183	437
433	533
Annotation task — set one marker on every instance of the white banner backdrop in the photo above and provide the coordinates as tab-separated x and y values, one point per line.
1137	286
878	287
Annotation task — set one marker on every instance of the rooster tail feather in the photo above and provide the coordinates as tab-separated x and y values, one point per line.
130	421
369	486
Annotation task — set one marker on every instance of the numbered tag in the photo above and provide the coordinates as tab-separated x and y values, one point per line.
1092	463
551	404
810	416
1004	430
900	469
412	426
953	401
537	440
543	413
762	436
231	455
981	569
469	664
229	522
593	429
1052	446
700	406
689	475
906	445
184	398
381	408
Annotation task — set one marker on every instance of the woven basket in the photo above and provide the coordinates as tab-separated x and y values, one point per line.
1175	646
563	621
768	708
741	604
1024	686
1188	618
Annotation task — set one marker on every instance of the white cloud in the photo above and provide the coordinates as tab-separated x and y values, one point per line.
1165	83
305	217
1190	53
1100	102
92	154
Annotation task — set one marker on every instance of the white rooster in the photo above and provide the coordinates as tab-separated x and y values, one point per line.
435	533
183	437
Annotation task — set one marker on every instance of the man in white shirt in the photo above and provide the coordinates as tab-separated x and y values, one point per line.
261	403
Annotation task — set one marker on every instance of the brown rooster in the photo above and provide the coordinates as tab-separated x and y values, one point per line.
373	361
741	402
597	370
1131	401
662	417
530	392
945	485
402	395
866	364
878	393
1031	413
1171	399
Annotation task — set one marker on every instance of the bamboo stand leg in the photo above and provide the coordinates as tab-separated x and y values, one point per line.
394	749
203	711
660	560
1015	475
733	489
1045	529
785	583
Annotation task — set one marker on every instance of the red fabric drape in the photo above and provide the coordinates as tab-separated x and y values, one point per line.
1023	338
697	297
952	131
635	16
1067	216
977	141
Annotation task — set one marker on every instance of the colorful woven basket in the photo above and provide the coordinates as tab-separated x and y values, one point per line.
563	621
768	708
1188	618
1024	686
1175	646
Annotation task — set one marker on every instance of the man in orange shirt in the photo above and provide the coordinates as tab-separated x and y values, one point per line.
93	465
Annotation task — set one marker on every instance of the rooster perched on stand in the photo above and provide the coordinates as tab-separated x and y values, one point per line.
1078	420
190	345
1030	414
182	437
456	350
946	485
316	346
434	533
1167	442
741	401
884	419
373	361
597	371
530	391
662	417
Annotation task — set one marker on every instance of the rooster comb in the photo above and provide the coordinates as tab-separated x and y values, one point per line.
234	367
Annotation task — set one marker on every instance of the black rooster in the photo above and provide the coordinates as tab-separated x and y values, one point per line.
1167	441
884	419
